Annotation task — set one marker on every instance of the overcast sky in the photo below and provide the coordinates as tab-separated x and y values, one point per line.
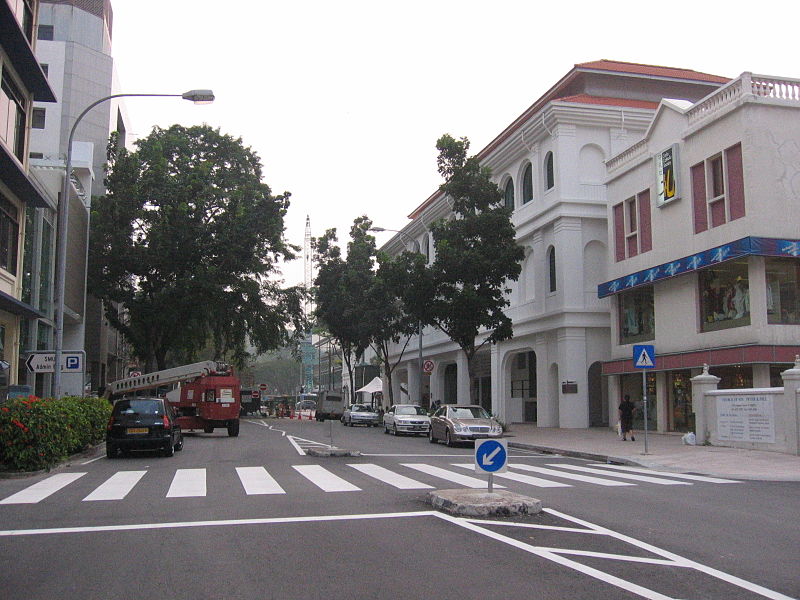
344	100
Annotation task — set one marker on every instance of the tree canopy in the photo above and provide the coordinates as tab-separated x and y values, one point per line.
187	240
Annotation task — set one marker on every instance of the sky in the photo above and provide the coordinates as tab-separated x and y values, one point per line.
343	101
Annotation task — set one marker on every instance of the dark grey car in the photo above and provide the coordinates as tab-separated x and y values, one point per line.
143	424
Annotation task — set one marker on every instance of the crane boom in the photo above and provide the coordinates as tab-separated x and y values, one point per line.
167	376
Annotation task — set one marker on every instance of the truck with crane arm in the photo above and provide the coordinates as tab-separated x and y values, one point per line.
206	394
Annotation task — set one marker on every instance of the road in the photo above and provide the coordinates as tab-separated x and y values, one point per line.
254	517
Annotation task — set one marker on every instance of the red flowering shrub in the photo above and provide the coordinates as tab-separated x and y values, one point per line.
36	433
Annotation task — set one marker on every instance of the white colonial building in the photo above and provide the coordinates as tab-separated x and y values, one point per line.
551	164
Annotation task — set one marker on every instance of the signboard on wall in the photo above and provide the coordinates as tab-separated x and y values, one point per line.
746	419
667	176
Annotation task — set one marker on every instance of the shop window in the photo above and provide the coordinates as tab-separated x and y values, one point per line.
724	296
13	116
733	377
718	189
508	194
637	322
527	184
9	235
783	291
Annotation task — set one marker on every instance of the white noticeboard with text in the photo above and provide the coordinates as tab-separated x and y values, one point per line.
746	419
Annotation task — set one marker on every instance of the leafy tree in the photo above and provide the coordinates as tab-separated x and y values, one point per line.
462	292
186	240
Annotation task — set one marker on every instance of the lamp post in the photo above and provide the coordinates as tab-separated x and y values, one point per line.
196	96
418	250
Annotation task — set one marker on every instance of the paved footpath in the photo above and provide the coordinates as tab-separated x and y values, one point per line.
665	451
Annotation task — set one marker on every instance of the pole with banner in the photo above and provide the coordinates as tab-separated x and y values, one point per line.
644	357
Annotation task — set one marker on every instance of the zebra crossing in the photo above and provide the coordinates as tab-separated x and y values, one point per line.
256	480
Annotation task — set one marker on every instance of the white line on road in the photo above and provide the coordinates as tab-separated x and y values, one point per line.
573	476
116	487
535	481
92	460
300	451
257	481
188	483
622	475
41	490
395	479
324	479
470	482
705	478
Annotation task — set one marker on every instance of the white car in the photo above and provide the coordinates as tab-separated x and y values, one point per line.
406	418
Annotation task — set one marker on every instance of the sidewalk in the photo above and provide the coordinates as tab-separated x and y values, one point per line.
665	452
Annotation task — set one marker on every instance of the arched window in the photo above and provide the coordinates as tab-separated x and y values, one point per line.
551	263
527	184
509	194
549	175
426	247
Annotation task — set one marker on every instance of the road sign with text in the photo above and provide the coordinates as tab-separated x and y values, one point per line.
43	362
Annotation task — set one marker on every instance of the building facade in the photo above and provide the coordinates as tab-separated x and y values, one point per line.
551	165
703	264
22	81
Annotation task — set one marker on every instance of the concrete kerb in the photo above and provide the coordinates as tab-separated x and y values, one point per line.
328	452
90	452
480	503
617	460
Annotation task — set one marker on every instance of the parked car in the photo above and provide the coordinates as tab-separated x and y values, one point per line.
456	423
406	418
329	406
143	424
361	414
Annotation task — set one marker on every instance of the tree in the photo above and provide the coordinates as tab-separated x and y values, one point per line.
462	292
187	239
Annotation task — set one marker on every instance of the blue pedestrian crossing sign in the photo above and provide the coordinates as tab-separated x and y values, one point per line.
644	356
491	456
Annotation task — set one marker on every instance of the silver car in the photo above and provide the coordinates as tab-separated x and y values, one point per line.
406	418
456	423
361	414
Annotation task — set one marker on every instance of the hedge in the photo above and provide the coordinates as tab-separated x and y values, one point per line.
37	433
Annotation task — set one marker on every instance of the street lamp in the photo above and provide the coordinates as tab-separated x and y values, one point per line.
196	96
418	250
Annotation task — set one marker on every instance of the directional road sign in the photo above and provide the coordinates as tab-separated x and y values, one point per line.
43	362
644	356
491	456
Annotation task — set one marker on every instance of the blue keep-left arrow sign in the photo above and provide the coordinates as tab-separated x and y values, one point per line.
491	456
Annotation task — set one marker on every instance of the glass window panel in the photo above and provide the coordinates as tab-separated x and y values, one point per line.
527	185
637	318
724	296
783	291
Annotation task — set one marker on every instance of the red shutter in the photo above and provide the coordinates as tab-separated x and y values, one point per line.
699	197
733	156
619	233
645	235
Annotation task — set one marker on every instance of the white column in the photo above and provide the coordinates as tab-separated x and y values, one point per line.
414	390
574	408
437	382
701	384
498	383
546	412
791	382
614	396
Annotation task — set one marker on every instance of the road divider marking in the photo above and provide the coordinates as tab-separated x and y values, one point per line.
394	479
257	481
188	483
41	490
116	487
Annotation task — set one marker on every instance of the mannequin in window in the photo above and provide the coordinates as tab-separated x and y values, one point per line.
741	299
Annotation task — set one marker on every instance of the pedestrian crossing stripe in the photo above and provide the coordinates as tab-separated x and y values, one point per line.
644	360
255	480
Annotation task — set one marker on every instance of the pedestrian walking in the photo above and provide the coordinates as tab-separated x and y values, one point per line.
626	409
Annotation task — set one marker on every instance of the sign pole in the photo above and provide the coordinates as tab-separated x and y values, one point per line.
491	483
644	397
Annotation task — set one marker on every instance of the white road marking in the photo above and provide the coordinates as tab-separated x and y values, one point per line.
188	483
41	490
622	475
536	481
116	487
300	451
705	478
386	476
470	482
257	481
324	479
92	460
573	476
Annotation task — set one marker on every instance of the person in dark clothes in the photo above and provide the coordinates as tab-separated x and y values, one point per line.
626	409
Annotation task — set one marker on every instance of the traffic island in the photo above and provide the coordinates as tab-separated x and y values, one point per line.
326	452
481	503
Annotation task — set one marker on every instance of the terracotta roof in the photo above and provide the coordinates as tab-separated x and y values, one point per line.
651	70
606	101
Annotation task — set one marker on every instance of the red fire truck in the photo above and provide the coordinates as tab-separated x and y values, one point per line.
207	395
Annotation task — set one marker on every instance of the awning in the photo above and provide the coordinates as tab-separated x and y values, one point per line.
22	57
17	307
376	385
25	187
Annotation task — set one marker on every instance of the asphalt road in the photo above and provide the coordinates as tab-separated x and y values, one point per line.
253	517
